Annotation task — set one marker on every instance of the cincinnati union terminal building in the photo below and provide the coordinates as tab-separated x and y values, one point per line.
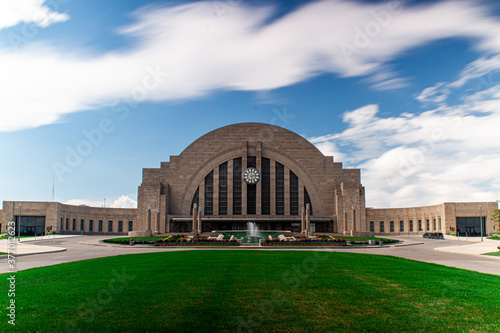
250	172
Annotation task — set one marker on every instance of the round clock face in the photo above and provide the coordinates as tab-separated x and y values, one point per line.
251	176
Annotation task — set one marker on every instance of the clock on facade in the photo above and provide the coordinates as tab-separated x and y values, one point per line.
251	176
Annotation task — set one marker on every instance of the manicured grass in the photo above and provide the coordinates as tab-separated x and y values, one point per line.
495	254
262	291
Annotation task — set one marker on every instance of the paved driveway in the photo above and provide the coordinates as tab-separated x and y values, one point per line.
421	252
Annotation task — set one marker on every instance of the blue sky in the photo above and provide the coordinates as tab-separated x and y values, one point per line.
91	92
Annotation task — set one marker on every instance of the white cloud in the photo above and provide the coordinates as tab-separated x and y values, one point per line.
449	154
122	202
28	11
204	49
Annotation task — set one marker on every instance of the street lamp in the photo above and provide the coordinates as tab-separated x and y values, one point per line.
481	221
19	224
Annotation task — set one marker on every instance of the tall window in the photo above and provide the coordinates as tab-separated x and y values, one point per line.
391	226
411	225
382	227
280	189
130	225
223	189
120	226
91	225
251	189
74	225
294	194
372	226
196	200
401	226
420	225
81	224
266	186
67	223
428	225
61	223
99	227
110	226
209	194
435	224
237	186
307	201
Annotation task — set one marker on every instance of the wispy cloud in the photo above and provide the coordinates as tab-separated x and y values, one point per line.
245	50
124	201
28	11
447	154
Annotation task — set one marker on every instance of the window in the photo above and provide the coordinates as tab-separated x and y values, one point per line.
81	224
420	225
237	186
209	194
74	224
280	189
391	226
91	225
67	223
382	228
61	223
120	226
110	226
440	226
372	226
435	224
223	189
196	199
401	226
294	194
411	225
266	186
307	201
99	227
428	224
130	225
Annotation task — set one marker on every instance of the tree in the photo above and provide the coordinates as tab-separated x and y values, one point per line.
495	217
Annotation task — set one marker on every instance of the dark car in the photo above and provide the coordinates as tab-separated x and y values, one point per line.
433	235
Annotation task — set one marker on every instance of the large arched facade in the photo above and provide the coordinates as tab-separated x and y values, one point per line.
292	181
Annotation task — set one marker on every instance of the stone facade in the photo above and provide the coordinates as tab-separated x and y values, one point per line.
299	189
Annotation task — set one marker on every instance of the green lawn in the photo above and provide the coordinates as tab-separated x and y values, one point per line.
495	254
259	291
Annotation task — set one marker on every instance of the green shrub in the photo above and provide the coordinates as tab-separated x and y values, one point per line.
4	236
494	236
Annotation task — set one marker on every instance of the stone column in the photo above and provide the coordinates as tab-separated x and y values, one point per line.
157	229
148	227
195	214
199	221
287	190
353	232
308	220
345	221
303	221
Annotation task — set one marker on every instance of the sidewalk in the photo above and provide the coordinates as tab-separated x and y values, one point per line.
474	247
28	246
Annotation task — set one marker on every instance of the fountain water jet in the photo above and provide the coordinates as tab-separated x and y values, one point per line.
253	229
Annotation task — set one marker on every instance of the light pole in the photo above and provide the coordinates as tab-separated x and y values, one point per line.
481	221
19	224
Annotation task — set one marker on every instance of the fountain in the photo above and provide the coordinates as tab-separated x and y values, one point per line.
253	230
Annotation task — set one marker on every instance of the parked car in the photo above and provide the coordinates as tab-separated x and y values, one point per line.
433	235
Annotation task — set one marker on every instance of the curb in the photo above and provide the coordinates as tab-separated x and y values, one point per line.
33	253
